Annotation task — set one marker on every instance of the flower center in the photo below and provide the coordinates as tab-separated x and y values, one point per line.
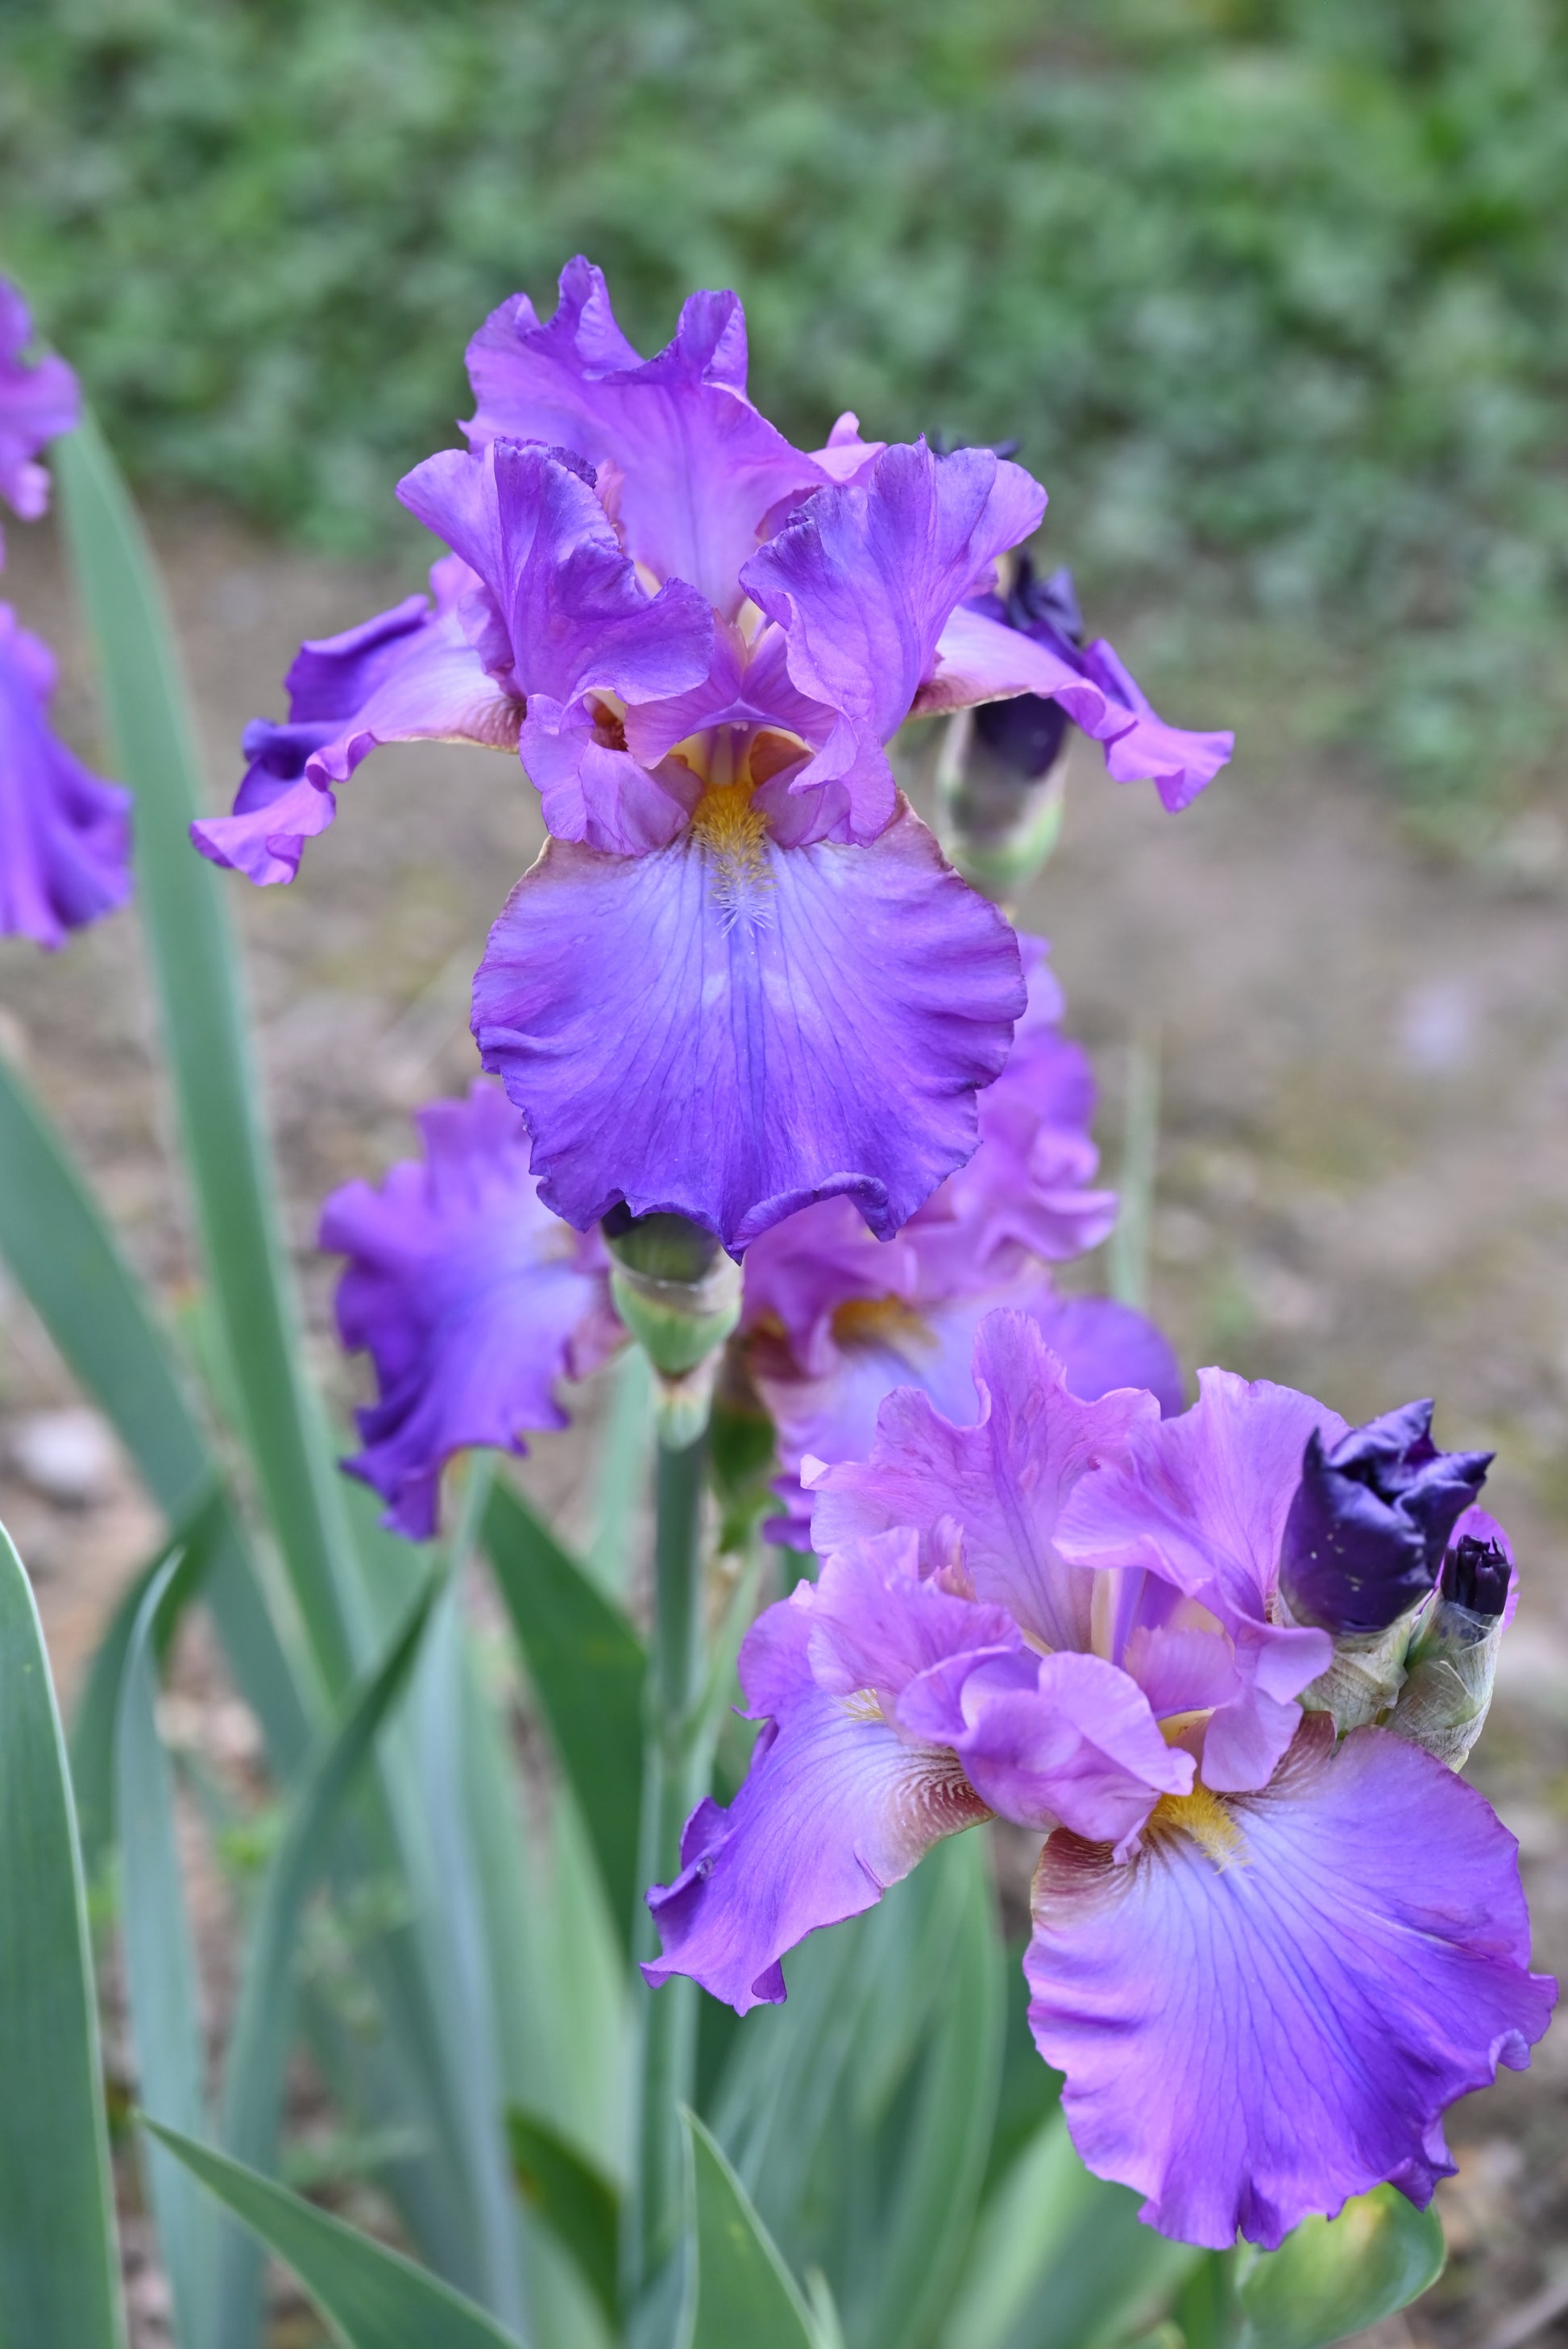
882	1321
1205	1817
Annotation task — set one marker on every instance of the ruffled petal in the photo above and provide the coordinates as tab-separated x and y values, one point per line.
986	1498
471	1299
1257	2026
836	1804
38	401
862	582
1049	1739
980	659
1201	1501
696	467
727	1029
64	834
408	674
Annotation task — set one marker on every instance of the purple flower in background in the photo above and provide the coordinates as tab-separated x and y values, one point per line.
1266	1958
64	834
38	401
833	1319
741	978
1369	1523
471	1299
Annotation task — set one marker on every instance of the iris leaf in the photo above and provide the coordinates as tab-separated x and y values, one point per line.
744	2292
575	2199
374	2297
258	2049
59	2267
587	1668
1335	2276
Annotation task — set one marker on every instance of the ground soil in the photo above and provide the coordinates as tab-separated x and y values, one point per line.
1363	1173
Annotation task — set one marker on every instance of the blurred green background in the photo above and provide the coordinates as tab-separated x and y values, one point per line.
1270	291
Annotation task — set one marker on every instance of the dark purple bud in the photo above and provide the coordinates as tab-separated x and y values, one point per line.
1370	1521
1476	1576
945	444
1026	733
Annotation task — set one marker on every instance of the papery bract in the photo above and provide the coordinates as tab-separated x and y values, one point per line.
471	1299
64	834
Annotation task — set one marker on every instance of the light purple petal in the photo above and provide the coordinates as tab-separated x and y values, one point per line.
408	674
1045	1740
836	1805
862	582
696	467
471	1299
38	401
727	1029
1249	2040
987	1497
1201	1500
980	659
65	834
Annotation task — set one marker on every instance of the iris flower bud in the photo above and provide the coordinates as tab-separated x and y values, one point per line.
1000	780
679	1295
1452	1663
1363	1548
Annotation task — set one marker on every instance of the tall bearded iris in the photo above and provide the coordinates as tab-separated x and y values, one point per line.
1266	1956
740	979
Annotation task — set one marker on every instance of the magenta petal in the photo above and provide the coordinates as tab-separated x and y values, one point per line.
696	466
836	1804
38	401
980	659
470	1297
998	1487
407	675
1251	2042
65	834
730	1037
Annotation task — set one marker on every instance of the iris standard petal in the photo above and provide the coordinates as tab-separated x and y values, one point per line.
862	581
38	401
1262	2016
728	1031
64	834
996	1487
471	1299
696	466
979	658
410	674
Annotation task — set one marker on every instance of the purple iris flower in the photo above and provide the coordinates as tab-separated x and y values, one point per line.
834	1320
1266	1960
1368	1529
64	834
471	1299
38	401
741	977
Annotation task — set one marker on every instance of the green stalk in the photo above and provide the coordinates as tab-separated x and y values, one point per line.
674	1782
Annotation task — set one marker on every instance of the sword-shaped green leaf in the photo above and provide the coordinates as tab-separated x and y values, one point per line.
744	2292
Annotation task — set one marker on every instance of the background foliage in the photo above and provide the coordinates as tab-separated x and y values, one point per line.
1270	288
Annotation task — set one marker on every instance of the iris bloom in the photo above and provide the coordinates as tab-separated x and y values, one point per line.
833	1320
64	834
470	1297
38	401
740	979
1266	1958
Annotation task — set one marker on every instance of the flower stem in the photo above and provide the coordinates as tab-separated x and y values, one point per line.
675	1781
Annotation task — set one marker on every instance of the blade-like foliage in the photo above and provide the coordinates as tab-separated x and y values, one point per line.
1059	2260
1334	2276
161	1971
587	1667
216	1083
572	2196
374	2297
59	2269
258	2049
744	2292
